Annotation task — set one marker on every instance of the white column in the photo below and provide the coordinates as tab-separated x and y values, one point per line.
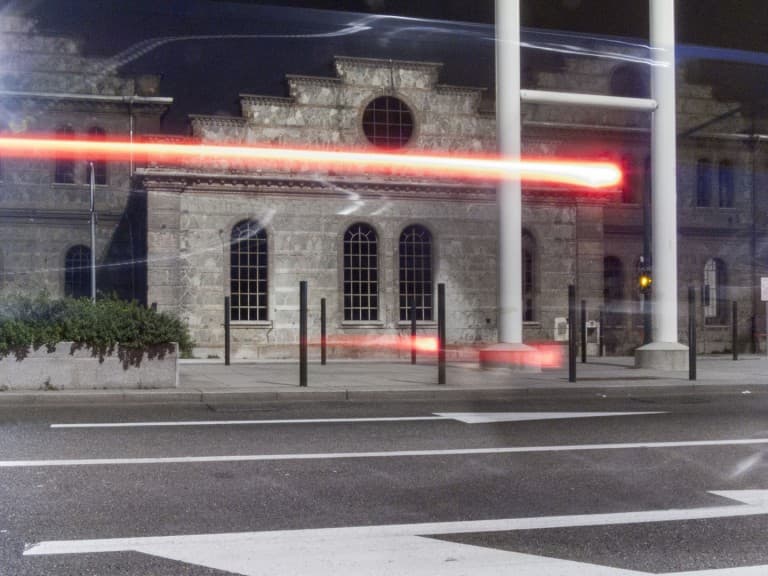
664	168
508	121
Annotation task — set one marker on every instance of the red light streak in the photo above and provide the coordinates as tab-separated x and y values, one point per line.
443	166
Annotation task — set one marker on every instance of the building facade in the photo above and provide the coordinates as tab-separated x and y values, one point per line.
47	87
371	245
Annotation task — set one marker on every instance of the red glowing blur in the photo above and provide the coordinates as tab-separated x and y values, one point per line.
424	344
444	166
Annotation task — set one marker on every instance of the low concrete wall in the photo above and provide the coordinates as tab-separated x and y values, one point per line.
71	366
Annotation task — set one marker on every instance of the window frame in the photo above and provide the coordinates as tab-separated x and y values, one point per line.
426	311
347	282
82	289
257	273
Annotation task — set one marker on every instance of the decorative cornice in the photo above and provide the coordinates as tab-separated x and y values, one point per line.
268	100
35	214
317	80
385	63
230	121
452	89
192	182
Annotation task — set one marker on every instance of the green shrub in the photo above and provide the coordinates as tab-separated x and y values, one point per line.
42	321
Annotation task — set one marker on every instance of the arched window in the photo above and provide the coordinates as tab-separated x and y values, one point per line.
416	272
529	278
64	168
613	290
248	272
388	122
99	166
361	274
725	184
713	292
703	182
77	272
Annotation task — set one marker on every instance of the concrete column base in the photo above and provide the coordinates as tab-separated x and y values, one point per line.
662	356
512	357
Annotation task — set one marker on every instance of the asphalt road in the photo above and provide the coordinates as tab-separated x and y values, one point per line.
548	496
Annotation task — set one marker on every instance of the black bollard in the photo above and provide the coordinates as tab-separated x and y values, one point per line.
227	330
441	333
413	331
303	333
583	327
323	333
691	333
735	330
571	333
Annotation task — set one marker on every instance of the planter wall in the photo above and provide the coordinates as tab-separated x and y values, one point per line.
70	366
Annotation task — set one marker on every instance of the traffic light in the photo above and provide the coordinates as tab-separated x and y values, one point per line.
644	281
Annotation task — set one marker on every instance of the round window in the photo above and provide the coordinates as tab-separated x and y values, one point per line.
388	122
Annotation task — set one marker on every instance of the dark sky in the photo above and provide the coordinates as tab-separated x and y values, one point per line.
206	75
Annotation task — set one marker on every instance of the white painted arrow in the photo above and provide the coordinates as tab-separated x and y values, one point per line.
405	550
465	417
490	417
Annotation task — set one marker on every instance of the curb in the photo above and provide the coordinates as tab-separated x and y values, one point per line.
196	396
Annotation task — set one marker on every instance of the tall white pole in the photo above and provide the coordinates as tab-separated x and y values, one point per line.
664	166
508	136
93	231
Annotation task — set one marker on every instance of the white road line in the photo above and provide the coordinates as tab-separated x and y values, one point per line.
465	417
396	549
390	454
245	422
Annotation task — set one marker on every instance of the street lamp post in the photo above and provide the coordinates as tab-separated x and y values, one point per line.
92	179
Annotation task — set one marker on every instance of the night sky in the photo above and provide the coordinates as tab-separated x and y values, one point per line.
206	75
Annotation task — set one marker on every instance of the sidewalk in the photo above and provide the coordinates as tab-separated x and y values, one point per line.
213	383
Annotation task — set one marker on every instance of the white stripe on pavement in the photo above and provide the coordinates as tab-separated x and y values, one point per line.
245	422
465	417
391	454
401	549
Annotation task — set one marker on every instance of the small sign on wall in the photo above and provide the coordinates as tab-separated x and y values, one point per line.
764	289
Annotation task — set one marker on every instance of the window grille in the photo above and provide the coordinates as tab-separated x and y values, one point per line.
388	122
361	274
725	184
529	278
415	250
613	290
713	292
99	166
64	168
703	182
77	272
248	272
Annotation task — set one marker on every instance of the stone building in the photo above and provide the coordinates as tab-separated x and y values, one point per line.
196	232
47	87
308	226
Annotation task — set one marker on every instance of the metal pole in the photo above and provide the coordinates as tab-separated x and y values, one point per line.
92	178
413	331
583	327
735	330
303	333
691	333
509	195
664	175
571	333
323	333
227	328
441	333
